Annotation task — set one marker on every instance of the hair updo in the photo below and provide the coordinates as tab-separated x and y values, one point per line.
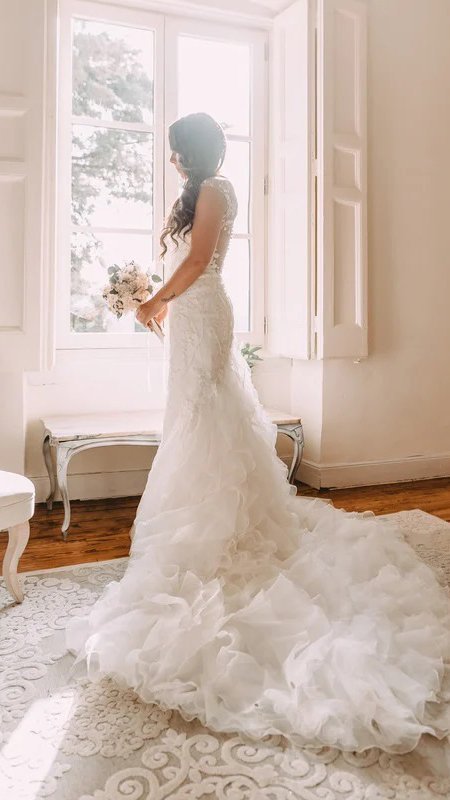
201	145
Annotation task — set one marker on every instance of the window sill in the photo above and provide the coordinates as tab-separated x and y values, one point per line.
89	354
68	360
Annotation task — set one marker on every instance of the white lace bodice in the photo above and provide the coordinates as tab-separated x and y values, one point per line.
200	322
224	186
176	254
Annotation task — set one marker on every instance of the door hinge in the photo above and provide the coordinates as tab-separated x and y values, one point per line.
266	325
266	50
266	184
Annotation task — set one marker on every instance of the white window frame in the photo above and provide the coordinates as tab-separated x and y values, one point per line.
165	181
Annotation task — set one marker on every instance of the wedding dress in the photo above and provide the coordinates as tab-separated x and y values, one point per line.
246	607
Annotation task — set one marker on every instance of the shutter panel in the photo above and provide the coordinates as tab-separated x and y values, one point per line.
289	268
23	233
342	182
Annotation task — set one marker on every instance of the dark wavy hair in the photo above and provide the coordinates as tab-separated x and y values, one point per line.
200	143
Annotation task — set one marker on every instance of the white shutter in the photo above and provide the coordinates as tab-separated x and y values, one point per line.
25	264
289	267
342	190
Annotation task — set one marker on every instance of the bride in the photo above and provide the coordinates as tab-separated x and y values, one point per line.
243	606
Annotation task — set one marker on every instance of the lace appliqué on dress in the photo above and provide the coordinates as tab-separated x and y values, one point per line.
201	325
225	188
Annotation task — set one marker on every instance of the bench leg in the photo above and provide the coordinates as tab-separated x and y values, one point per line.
18	538
51	472
296	436
62	462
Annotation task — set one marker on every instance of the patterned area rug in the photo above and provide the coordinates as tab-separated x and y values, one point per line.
64	738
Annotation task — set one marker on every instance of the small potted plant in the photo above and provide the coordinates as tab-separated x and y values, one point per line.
250	354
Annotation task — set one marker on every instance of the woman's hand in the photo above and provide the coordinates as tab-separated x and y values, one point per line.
149	310
160	317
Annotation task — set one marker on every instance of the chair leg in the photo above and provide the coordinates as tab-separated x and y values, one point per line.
18	538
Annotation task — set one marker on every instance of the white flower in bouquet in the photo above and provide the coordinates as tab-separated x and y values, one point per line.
128	287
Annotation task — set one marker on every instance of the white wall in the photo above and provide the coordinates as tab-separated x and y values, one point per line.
393	409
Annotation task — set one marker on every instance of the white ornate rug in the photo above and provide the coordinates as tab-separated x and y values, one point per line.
64	738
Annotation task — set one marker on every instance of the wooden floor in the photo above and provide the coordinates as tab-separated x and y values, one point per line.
100	528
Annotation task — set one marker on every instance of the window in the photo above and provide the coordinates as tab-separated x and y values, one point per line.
124	76
112	162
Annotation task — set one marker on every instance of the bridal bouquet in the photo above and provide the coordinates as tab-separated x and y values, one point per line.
128	287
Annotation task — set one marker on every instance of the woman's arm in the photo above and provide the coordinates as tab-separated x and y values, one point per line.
209	213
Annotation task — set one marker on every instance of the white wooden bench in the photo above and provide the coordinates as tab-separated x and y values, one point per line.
69	435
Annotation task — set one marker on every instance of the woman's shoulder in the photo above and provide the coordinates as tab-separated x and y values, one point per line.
224	186
220	181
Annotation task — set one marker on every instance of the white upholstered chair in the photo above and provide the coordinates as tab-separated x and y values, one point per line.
16	509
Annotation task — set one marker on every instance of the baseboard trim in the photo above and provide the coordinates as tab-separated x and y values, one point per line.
371	473
129	483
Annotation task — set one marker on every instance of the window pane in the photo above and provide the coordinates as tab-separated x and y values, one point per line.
112	180
92	254
207	70
236	277
112	72
237	168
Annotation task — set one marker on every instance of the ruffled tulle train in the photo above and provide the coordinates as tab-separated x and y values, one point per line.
260	612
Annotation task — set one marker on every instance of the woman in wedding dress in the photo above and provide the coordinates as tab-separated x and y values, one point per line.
242	605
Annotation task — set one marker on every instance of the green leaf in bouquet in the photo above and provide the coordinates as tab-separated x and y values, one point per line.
156	278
